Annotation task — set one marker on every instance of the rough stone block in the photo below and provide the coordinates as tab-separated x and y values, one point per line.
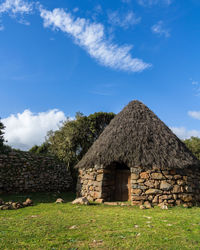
140	181
149	183
165	186
96	195
176	177
136	203
180	182
186	197
169	177
157	176
144	175
136	191
91	188
99	177
189	189
155	199
150	197
165	197
135	176
153	191
147	204
171	201
176	189
81	201
178	202
89	177
138	198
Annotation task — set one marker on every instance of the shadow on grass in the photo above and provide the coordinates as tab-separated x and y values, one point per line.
38	198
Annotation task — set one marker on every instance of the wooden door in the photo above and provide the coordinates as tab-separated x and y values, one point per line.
122	185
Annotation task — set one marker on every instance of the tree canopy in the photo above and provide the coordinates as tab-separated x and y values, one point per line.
75	137
43	149
2	127
194	145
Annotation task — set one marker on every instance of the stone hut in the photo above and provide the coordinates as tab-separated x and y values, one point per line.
137	158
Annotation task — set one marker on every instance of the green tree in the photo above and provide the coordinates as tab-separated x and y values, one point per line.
43	149
34	149
2	127
75	137
194	145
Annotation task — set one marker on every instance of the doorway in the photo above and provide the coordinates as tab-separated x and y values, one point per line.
122	185
116	185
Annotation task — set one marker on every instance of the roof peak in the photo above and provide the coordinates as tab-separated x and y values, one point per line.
137	137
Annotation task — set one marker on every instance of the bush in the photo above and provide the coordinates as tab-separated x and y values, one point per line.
194	145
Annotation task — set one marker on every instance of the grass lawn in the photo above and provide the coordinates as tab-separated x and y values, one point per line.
47	225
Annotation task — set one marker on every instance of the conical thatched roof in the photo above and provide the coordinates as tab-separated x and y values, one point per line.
137	137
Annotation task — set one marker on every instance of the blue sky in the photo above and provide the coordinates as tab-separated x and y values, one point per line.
60	57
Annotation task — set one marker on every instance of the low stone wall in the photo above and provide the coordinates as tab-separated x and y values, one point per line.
173	187
154	187
26	172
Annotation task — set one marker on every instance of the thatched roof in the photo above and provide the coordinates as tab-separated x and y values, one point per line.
137	137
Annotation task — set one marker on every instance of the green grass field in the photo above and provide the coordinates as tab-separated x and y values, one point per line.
47	225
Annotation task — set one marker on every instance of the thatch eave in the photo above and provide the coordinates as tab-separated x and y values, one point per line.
137	137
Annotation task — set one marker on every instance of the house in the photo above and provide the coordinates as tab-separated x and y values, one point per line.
137	158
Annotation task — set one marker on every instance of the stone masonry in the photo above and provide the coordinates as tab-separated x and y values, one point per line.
155	186
27	172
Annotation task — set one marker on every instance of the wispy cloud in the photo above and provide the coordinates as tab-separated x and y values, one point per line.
75	9
196	86
27	129
195	82
124	20
87	34
149	3
160	30
16	7
183	133
91	36
194	114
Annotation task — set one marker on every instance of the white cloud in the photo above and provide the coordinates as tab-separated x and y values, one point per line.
27	129
75	9
15	6
183	133
196	86
91	37
194	114
159	29
146	3
16	9
125	20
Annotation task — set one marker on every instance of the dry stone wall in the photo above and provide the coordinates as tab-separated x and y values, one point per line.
26	172
89	183
154	187
172	187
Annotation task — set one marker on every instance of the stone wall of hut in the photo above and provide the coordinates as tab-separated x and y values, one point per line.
89	183
155	186
173	187
26	172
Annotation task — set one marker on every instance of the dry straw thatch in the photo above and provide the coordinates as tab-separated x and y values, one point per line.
137	137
